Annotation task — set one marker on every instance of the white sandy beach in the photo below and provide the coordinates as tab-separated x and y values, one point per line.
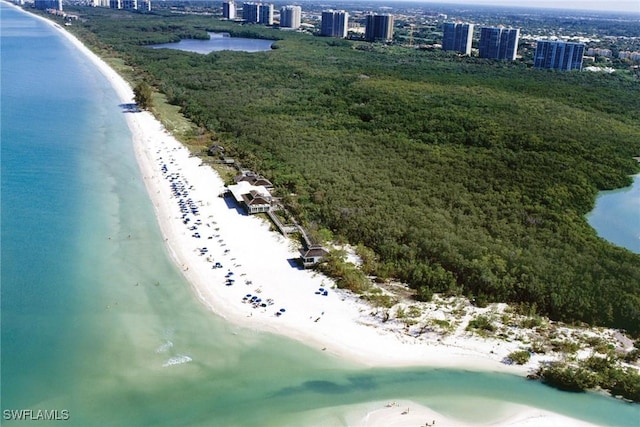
259	261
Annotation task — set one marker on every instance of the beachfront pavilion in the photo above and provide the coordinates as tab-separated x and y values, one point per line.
253	179
254	198
312	255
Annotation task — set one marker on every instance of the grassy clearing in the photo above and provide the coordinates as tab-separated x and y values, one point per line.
119	66
171	118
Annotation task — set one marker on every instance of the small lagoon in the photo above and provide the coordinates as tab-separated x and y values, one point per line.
218	42
616	216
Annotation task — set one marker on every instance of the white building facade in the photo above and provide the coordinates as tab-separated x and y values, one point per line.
290	17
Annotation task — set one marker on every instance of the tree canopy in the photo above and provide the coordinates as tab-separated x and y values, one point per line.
143	95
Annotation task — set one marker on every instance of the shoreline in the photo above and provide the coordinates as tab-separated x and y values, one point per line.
238	240
245	246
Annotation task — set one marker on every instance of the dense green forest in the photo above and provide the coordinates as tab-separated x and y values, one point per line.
464	176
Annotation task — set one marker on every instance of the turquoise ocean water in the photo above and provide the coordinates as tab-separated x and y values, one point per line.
104	326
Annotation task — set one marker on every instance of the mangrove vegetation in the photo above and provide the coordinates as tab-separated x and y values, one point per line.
463	176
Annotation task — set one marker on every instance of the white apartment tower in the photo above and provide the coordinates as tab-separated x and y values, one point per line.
229	9
290	17
266	14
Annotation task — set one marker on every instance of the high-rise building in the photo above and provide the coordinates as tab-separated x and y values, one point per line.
499	43
290	16
250	11
48	4
334	23
229	9
557	55
266	14
123	4
379	27
261	13
457	37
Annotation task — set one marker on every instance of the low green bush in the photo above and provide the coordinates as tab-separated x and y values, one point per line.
520	357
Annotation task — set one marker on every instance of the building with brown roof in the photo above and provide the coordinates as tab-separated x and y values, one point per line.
255	199
312	255
253	179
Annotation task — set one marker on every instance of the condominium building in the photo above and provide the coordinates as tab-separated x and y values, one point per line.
266	14
634	56
379	27
334	23
498	43
250	11
229	10
557	55
260	13
593	51
457	37
123	4
290	17
48	4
